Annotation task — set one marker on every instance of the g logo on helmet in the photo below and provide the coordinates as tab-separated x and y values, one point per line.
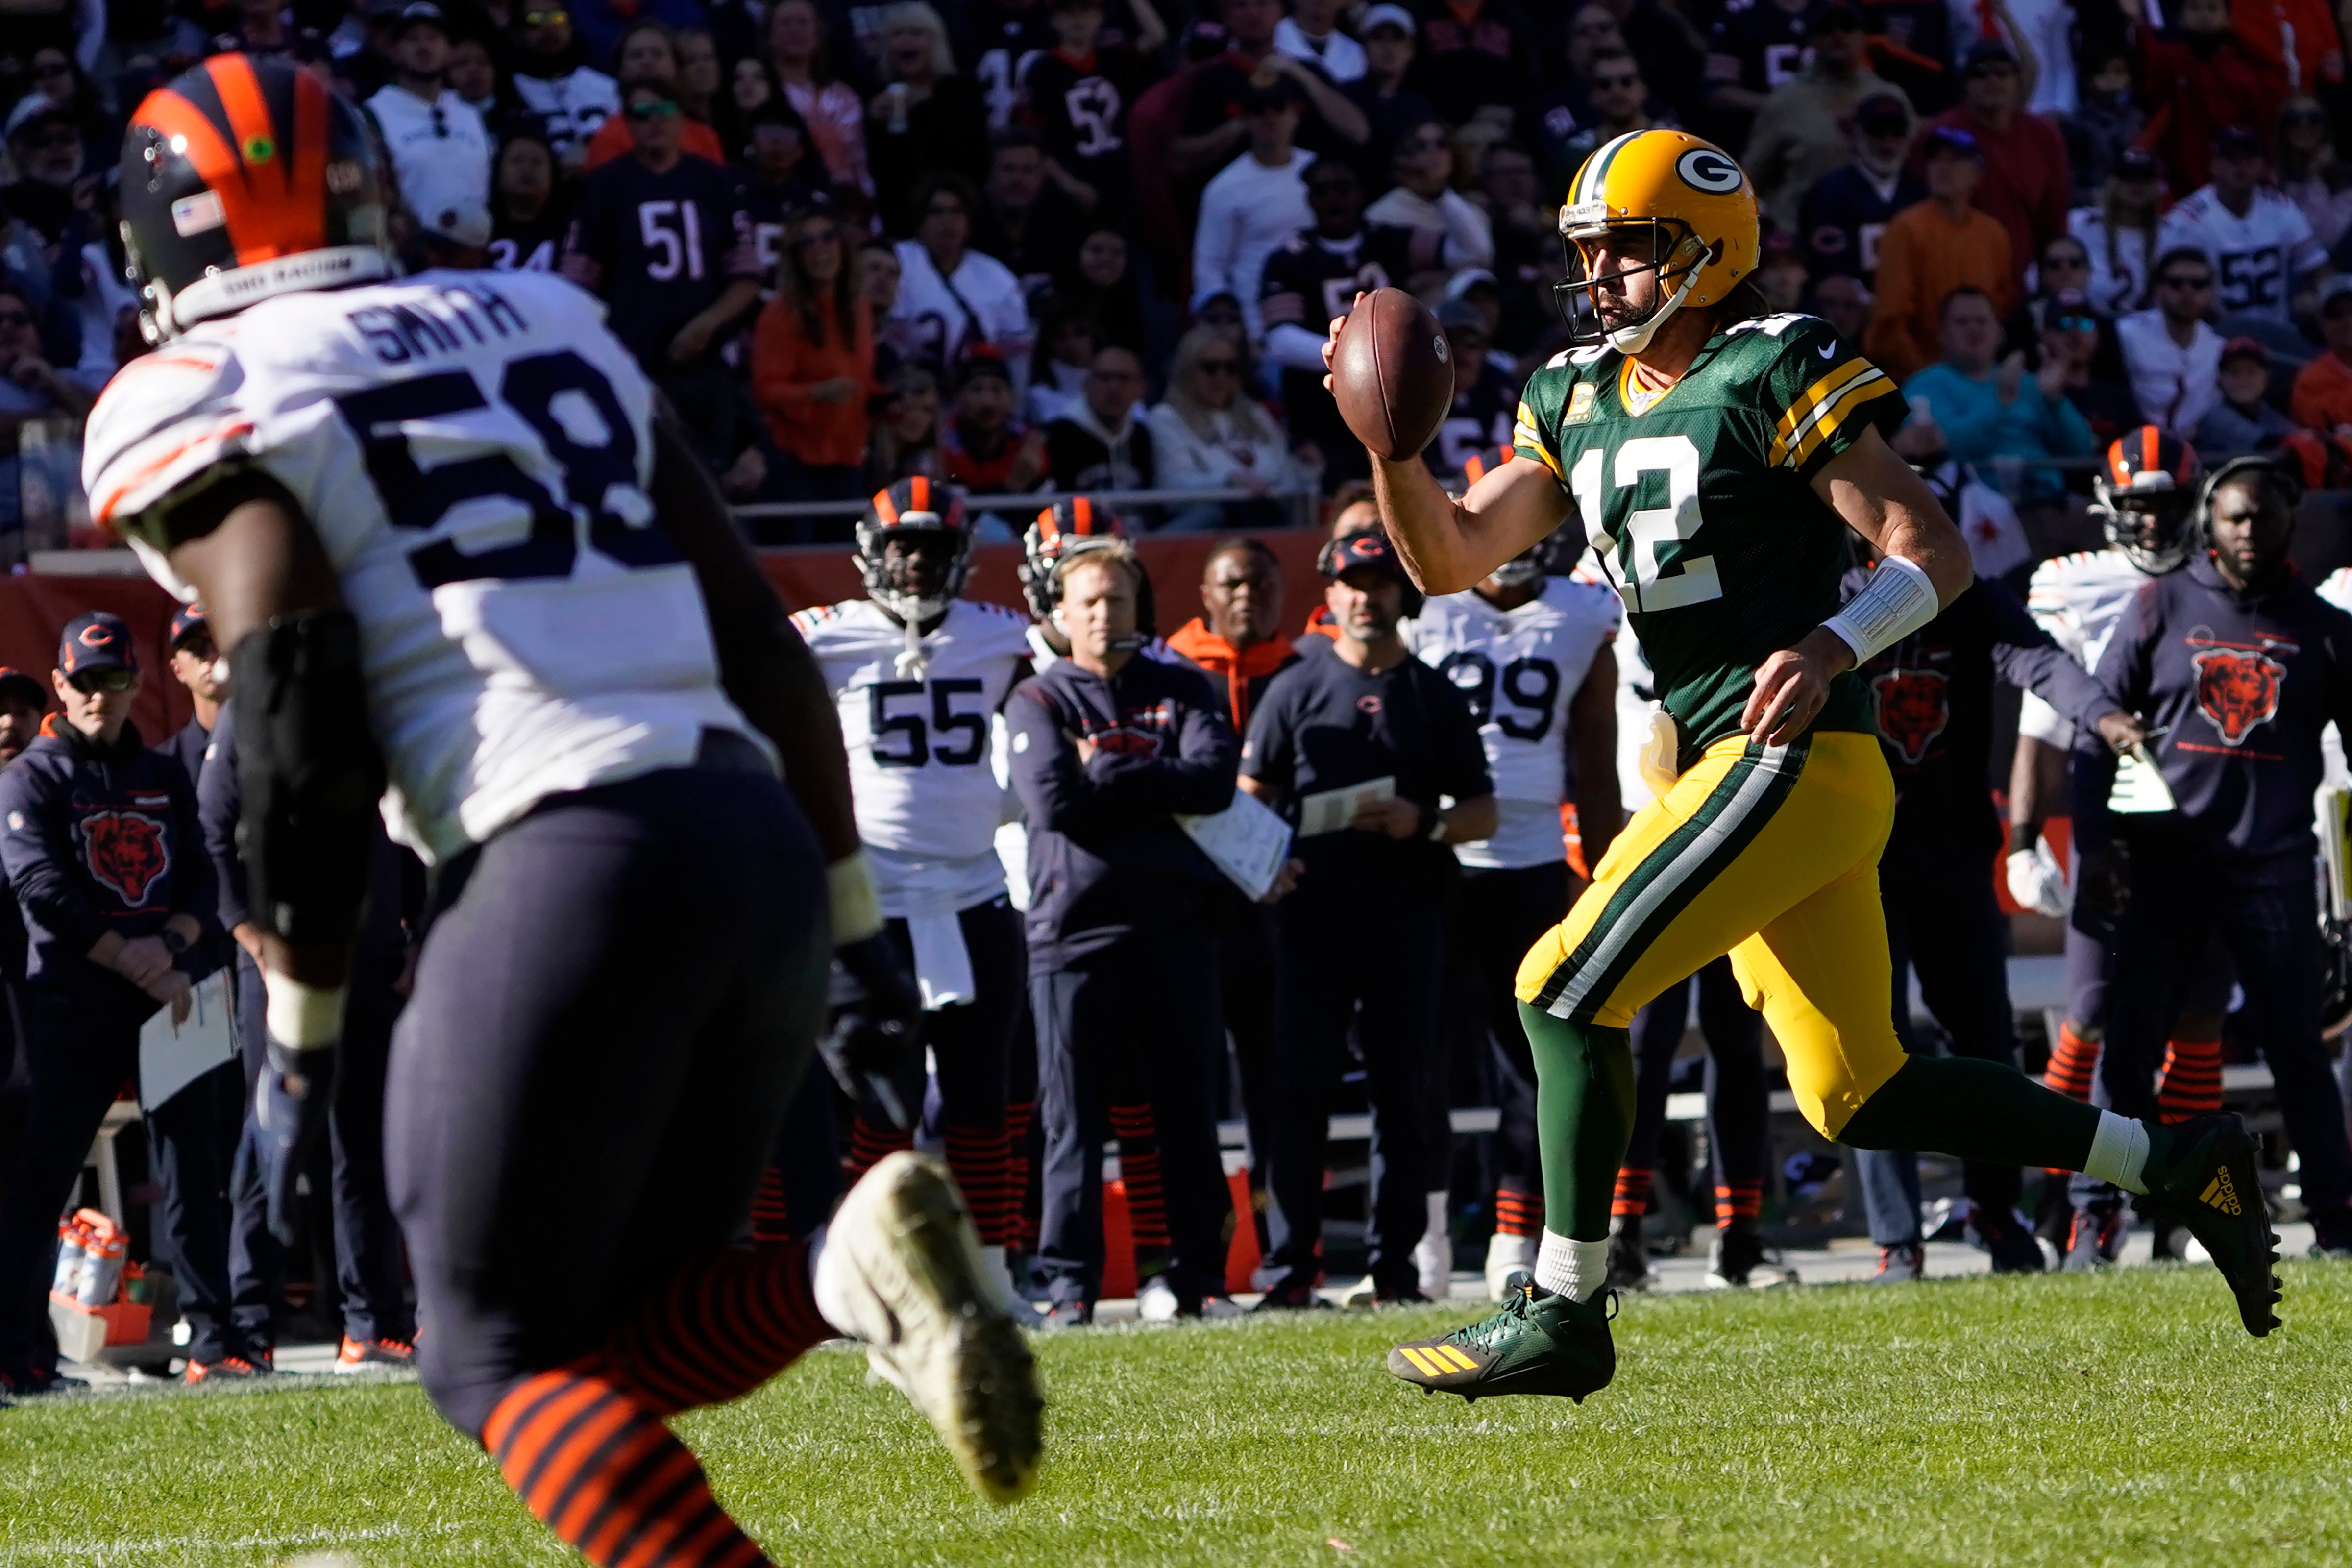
1704	169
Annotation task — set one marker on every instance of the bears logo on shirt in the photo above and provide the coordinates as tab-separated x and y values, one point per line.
125	851
1913	707
2238	690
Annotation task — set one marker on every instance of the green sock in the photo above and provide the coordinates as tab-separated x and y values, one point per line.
1584	1117
1974	1110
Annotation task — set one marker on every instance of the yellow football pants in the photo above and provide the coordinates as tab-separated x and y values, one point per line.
1769	853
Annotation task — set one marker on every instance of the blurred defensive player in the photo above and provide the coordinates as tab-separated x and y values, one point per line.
1717	458
444	516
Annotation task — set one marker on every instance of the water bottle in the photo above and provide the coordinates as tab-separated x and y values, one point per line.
71	1249
102	1271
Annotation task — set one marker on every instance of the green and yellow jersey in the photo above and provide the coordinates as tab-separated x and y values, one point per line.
1700	508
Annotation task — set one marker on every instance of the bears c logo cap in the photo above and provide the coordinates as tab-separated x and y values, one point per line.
95	641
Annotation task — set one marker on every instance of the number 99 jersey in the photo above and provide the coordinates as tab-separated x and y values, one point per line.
473	451
1519	669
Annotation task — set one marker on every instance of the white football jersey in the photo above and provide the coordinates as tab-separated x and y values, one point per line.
2078	599
2334	772
919	767
1520	669
2256	257
473	450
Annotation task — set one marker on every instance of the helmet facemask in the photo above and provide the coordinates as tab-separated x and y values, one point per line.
1527	566
2151	527
1678	254
918	579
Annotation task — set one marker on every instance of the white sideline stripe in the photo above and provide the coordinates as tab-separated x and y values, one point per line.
103	1551
1663	885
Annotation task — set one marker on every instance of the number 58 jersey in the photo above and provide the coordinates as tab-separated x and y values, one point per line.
473	450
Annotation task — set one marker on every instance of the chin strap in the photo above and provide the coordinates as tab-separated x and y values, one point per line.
1633	339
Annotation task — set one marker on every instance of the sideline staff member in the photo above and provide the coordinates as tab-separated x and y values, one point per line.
101	849
1356	707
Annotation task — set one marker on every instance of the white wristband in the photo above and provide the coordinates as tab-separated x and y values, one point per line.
857	908
301	1017
1901	599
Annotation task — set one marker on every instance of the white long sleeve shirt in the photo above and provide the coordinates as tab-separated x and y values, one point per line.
1469	237
2176	387
1247	210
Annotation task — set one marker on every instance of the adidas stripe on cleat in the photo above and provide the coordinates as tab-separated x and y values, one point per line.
2209	1183
1536	1345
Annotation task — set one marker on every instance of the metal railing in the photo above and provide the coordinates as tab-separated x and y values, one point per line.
1019	507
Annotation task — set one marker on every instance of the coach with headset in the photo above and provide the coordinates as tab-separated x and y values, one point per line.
1358	708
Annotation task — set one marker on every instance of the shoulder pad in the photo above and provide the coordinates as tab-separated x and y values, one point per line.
163	419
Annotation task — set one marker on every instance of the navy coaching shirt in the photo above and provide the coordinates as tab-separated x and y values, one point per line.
1323	725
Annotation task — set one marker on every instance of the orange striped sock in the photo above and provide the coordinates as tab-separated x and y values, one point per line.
2192	1085
1517	1212
979	1156
870	1142
1017	1117
769	1220
1138	1167
721	1327
2072	1062
1739	1200
1633	1194
597	1466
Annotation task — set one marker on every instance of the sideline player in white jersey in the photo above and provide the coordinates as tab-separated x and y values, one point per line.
451	545
2145	495
919	674
1531	652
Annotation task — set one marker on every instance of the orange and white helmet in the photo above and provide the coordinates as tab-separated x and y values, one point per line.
1700	207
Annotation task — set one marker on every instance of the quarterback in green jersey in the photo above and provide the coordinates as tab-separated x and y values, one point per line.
1715	457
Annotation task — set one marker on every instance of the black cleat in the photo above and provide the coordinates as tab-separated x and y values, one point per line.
2010	1245
2209	1183
1536	1345
1629	1254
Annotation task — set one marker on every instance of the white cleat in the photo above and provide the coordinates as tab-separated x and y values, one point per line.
1155	1300
902	1270
1510	1265
1432	1255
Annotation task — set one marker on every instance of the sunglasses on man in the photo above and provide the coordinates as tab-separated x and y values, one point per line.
90	683
659	109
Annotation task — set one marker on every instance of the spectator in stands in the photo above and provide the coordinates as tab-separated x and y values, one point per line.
2195	86
1933	248
2310	174
1805	129
1356	709
1106	746
776	162
57	77
1423	198
1384	95
752	86
2294	46
997	43
953	297
1527	244
1254	202
1750	52
1208	435
2026	184
2171	356
1025	220
813	365
1485	399
877	281
927	117
664	240
1103	443
2258	241
2322	399
2244	421
1311	33
527	219
1478	57
50	196
607	24
698	75
1058	365
1845	304
2120	231
1216	126
648	51
1103	289
1620	103
2107	121
1987	410
552	78
982	448
835	116
474	76
907	441
2079	339
1845	213
102	852
30	386
1078	94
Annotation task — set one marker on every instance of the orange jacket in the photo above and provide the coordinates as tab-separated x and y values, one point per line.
696	140
1243	671
2323	394
786	366
1922	257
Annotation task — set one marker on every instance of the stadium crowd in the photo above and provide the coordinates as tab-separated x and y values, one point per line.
1086	246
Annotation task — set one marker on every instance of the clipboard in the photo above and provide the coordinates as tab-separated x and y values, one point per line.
1248	841
172	1058
1331	810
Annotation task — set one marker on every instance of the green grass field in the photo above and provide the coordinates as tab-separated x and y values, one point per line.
2124	1419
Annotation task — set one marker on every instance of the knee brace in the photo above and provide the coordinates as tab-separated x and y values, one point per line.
310	774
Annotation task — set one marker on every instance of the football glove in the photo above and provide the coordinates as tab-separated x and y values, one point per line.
876	1025
2037	881
290	1106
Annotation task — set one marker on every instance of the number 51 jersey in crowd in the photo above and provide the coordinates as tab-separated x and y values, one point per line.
1520	669
473	451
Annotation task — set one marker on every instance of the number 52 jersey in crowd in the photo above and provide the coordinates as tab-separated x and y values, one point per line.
1520	669
473	451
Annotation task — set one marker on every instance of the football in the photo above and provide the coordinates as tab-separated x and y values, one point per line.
1392	373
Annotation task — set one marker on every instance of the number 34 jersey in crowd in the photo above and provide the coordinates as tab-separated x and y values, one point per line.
1520	669
929	801
473	451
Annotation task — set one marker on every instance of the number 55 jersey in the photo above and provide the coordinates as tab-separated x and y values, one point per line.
1699	503
474	452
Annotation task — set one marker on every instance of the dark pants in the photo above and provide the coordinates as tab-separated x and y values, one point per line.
371	1280
1953	936
82	1047
1499	917
1738	1104
2273	934
971	1043
613	1009
2207	1000
1327	965
1245	992
1135	1022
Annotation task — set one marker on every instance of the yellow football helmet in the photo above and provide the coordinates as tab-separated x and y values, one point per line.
1698	204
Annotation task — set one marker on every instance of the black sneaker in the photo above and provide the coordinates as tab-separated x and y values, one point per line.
28	1383
2209	1183
1739	1260
1901	1264
1288	1295
1536	1345
2013	1247
1069	1315
1629	1254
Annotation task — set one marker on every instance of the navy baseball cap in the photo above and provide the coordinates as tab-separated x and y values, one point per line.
2237	141
95	641
16	686
1367	551
1953	140
187	619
